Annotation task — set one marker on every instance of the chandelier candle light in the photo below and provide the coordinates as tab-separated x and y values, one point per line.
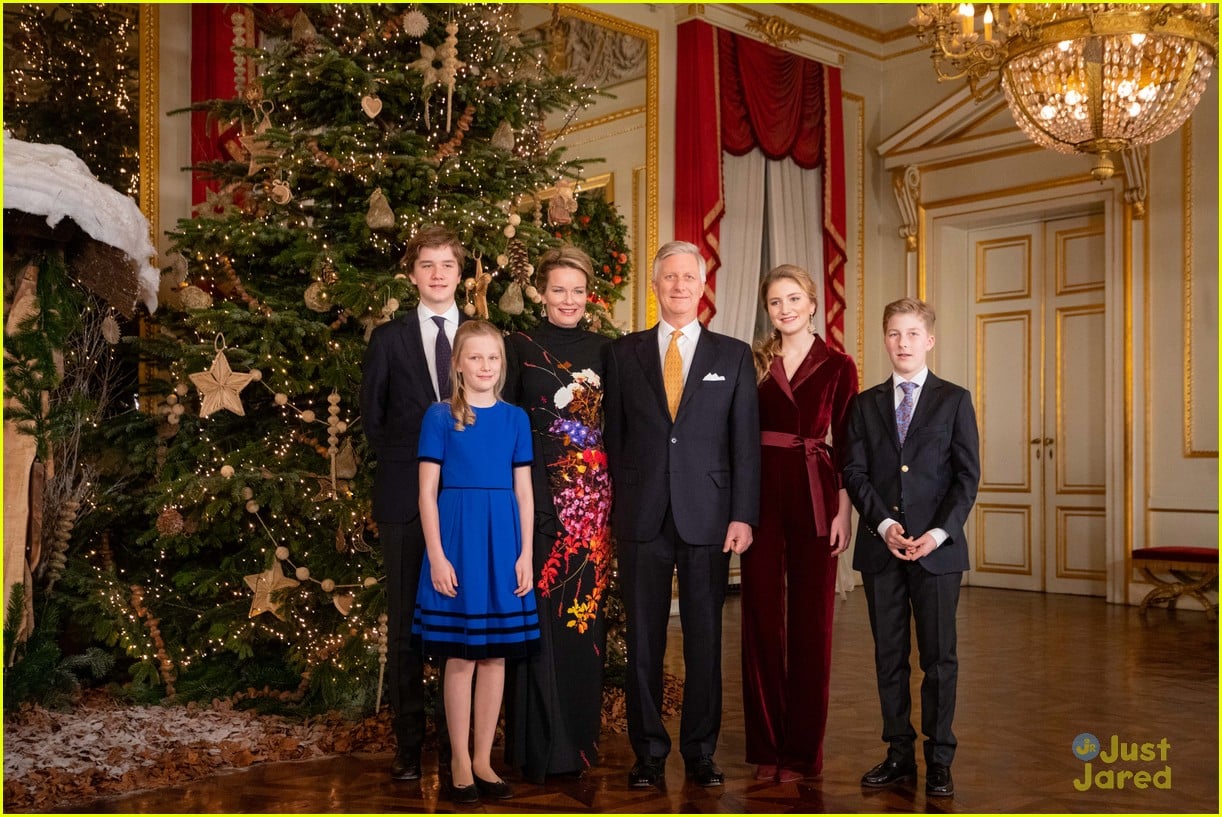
1094	78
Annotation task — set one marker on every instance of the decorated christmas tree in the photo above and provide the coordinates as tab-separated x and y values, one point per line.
72	250
71	79
241	560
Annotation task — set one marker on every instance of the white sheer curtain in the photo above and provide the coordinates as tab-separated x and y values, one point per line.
742	241
774	215
795	223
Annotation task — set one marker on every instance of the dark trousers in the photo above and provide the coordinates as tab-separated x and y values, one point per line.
402	556
646	569
901	592
788	603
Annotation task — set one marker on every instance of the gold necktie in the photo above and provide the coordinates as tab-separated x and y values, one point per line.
672	374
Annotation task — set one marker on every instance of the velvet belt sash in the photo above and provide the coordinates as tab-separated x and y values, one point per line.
818	458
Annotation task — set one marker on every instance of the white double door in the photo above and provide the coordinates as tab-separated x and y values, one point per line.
1040	388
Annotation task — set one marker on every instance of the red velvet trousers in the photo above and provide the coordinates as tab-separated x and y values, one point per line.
788	587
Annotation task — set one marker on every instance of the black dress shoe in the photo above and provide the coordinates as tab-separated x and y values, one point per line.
406	765
464	795
704	772
891	771
497	790
938	782
646	772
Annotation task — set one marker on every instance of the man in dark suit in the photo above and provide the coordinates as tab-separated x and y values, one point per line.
912	468
682	437
406	369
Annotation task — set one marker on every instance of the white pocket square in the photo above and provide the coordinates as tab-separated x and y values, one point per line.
714	376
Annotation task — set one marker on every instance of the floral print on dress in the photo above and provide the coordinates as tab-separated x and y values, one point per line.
578	566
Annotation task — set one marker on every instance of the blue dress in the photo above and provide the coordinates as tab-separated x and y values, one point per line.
480	534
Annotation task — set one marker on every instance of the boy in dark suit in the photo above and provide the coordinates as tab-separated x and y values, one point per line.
683	444
912	468
407	369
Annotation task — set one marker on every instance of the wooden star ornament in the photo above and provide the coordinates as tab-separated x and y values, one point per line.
220	386
264	585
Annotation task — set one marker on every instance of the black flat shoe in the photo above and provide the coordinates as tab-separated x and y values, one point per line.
648	771
890	772
705	772
497	790
464	795
938	782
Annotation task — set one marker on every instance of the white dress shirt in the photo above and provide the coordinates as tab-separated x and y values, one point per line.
428	334
898	393
939	535
688	336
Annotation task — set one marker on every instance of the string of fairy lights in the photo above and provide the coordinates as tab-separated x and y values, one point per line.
256	489
84	60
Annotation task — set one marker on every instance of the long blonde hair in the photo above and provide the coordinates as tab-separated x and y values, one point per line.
459	407
769	346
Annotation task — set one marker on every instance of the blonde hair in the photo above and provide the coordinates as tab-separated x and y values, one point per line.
459	407
769	346
679	248
566	256
909	306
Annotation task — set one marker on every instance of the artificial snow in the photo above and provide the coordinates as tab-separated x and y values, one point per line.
52	181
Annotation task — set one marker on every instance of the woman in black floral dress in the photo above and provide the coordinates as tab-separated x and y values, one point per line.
554	699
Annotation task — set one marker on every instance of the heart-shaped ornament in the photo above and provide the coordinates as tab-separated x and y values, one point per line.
371	105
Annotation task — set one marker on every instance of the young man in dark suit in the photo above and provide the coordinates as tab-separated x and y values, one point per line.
407	369
683	444
912	468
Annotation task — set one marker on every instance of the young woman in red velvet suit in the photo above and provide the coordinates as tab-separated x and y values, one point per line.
789	575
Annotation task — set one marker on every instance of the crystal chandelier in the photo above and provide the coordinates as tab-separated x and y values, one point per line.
1091	78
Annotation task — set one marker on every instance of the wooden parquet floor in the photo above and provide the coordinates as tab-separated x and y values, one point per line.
1036	671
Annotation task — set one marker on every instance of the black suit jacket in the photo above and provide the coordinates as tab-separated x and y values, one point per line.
396	390
933	477
706	464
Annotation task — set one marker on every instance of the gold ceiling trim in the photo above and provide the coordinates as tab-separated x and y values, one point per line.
813	36
850	26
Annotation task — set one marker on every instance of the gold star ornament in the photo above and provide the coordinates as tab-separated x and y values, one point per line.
220	386
264	585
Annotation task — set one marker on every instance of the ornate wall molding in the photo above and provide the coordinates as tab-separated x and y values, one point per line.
774	30
149	135
1135	191
906	185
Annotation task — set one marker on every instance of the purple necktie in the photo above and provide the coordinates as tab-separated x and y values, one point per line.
441	355
903	412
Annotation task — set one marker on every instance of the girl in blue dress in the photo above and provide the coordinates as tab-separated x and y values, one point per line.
475	607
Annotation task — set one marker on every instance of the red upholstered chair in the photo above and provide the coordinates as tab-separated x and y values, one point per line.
1194	569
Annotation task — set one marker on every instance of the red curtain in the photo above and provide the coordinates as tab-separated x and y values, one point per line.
215	73
736	94
699	205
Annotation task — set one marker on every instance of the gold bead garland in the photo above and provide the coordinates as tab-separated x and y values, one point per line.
165	666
